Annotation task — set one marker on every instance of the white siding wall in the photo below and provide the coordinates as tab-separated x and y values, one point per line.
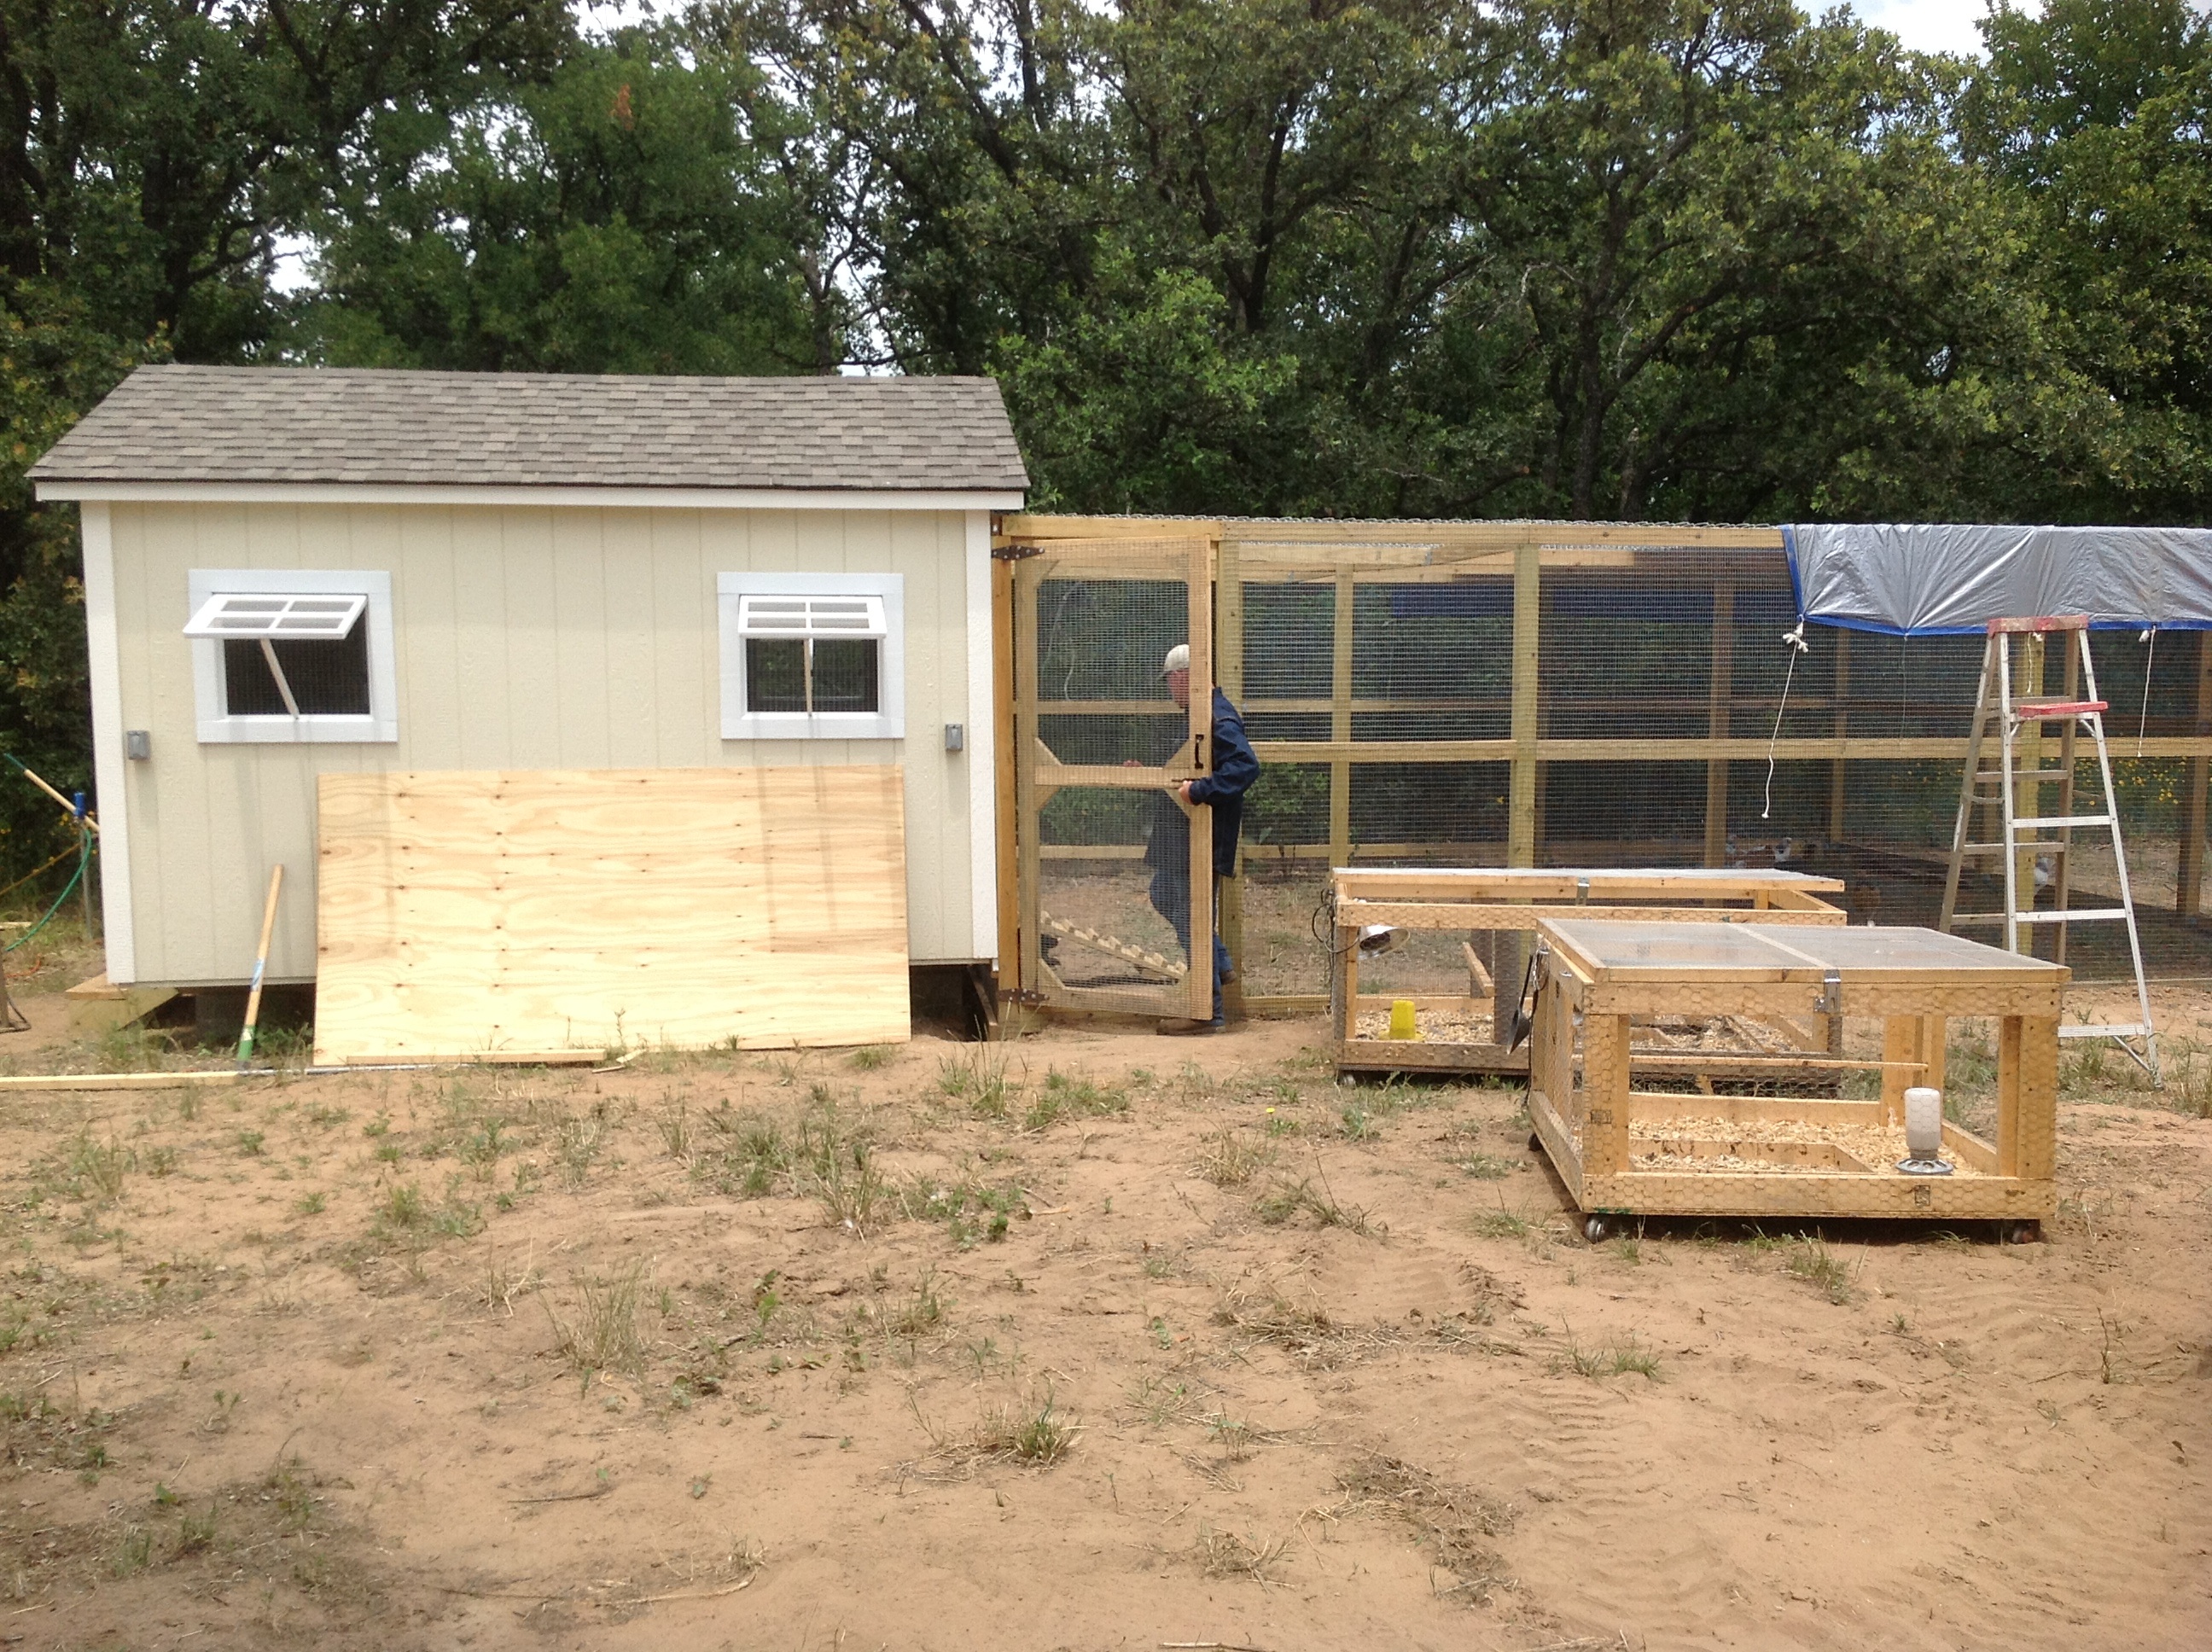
525	638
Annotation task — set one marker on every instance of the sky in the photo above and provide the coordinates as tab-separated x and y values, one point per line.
1929	24
1922	25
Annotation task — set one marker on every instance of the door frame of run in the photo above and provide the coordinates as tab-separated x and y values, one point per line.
1030	772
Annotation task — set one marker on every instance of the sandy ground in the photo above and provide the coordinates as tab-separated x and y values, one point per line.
1097	1339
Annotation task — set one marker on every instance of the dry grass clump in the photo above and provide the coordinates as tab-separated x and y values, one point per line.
1450	1520
1811	1260
1615	1359
1229	1158
1289	1199
601	1331
1033	1433
1231	1554
1307	1334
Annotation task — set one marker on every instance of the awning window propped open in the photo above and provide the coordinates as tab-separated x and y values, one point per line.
286	618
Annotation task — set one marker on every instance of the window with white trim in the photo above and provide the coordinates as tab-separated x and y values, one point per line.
813	656
292	655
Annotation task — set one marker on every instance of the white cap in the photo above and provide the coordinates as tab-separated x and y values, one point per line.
1178	660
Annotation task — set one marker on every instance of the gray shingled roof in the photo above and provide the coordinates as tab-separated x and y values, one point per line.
526	430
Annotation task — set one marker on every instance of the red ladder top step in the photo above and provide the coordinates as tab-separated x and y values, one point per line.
2028	709
2044	622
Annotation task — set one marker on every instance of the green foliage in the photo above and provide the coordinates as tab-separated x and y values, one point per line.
1642	259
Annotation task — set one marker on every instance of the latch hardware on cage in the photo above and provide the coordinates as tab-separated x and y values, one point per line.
1831	1001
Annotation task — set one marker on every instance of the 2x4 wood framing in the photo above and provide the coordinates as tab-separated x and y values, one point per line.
1582	1101
1346	555
1039	772
1493	898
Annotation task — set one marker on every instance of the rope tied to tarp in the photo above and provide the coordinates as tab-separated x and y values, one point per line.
1793	641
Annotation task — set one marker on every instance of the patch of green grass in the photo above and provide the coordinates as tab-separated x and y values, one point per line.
1615	1359
838	1160
134	1552
675	1127
1811	1260
196	1532
1485	1168
1287	1199
924	1314
403	1206
1500	1224
578	1141
869	1058
1063	1096
310	1204
98	1168
481	1148
1229	1158
599	1329
1039	1438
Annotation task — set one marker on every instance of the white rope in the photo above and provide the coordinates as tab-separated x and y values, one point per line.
1793	640
2142	721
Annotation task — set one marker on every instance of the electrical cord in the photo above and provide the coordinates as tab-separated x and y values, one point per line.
83	860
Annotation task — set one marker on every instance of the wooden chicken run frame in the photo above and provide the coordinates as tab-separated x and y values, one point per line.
1623	1150
1497	898
1350	722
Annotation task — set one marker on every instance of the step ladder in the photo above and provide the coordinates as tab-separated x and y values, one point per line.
2015	797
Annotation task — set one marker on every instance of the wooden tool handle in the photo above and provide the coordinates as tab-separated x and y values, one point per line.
260	963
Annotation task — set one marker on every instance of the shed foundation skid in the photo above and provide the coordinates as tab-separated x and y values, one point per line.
1625	1150
1508	903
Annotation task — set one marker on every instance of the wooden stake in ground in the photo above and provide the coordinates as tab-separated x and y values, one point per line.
260	963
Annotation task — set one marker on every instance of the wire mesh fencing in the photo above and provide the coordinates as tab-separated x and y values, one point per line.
1658	706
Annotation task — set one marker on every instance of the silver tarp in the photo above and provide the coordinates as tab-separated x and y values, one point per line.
1917	578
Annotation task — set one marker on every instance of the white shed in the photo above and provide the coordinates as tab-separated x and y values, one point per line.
292	572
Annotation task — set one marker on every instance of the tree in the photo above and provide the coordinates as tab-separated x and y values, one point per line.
612	218
151	154
2098	113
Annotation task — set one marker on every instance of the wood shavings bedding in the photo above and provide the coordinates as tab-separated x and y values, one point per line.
1722	1035
1879	1147
1436	1026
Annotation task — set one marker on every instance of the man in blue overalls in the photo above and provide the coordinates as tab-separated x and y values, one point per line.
1234	767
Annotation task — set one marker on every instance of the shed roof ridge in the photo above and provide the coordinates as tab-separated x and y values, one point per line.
186	423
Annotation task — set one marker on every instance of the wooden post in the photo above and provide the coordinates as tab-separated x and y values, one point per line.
1339	724
1840	730
1605	1086
1900	1041
2028	1090
1719	687
1028	803
1528	647
2011	1046
1343	982
1509	963
2189	870
1004	760
1199	578
1910	1038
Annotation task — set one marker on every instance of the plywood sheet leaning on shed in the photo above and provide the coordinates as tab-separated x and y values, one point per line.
465	914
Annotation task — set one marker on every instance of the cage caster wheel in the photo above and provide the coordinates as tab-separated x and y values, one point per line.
2018	1233
1594	1229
